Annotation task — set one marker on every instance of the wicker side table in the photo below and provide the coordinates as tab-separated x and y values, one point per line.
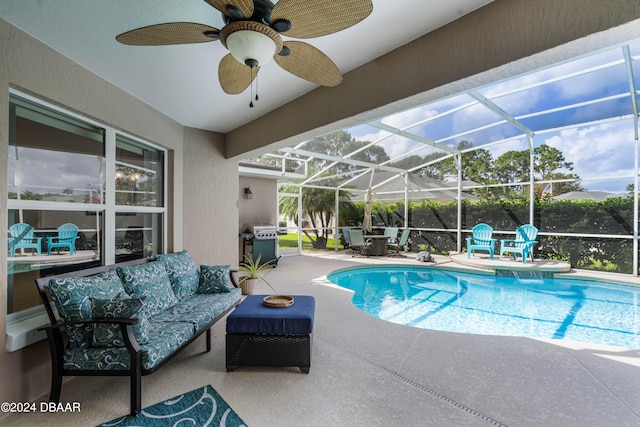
268	336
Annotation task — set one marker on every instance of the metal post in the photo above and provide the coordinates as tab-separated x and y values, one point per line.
335	220
531	178
406	200
300	220
459	231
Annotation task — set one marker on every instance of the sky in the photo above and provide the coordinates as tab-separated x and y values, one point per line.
46	171
602	153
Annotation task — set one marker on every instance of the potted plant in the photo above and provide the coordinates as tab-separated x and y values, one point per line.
251	272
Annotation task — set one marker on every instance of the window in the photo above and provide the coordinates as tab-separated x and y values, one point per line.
139	179
63	169
138	235
53	157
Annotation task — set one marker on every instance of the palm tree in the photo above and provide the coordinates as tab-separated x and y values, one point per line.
318	207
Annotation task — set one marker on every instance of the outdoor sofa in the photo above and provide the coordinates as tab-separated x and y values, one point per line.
130	319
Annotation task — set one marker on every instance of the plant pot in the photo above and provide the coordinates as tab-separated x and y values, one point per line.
248	286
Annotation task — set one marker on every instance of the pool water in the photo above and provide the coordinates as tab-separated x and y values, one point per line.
577	310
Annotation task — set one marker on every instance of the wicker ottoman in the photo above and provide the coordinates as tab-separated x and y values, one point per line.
267	336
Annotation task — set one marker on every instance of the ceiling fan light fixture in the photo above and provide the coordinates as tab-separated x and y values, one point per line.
250	41
249	46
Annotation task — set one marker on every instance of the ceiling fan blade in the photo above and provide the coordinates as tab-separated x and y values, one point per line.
235	77
313	18
166	34
309	63
233	8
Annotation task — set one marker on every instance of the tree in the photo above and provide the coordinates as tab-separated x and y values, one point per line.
318	204
476	164
512	166
318	207
342	144
548	160
561	187
408	162
548	163
30	195
430	171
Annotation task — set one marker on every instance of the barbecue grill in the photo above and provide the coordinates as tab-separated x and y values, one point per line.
263	240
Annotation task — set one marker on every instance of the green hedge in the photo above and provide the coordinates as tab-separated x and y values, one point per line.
613	216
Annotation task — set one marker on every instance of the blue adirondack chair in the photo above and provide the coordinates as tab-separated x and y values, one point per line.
67	235
399	246
481	240
522	244
21	237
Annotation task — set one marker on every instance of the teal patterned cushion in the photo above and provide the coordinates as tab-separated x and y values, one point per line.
183	273
164	340
109	335
200	309
149	281
214	279
72	295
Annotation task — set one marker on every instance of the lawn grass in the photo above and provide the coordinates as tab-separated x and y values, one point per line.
290	240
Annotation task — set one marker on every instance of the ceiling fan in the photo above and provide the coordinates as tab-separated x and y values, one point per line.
252	35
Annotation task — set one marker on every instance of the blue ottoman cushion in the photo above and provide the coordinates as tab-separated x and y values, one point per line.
252	317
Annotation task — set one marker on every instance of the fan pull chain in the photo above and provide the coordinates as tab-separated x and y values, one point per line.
252	79
251	84
256	87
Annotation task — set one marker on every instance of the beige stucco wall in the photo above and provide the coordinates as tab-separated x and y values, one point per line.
31	67
262	207
210	199
502	39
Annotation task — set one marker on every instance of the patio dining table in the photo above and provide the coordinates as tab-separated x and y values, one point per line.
378	245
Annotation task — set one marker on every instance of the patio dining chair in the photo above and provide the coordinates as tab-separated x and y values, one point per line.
392	234
481	240
359	245
67	235
347	239
399	246
522	244
21	237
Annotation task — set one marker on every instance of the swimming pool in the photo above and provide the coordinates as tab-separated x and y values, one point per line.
444	300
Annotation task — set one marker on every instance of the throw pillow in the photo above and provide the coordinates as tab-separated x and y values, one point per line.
149	281
71	296
182	271
110	335
214	279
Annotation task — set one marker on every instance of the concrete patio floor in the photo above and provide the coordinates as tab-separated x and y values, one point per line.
368	372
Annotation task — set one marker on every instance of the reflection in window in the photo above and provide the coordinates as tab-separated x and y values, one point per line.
24	266
57	175
53	157
138	174
138	235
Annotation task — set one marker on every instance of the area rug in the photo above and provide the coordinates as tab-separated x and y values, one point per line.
200	407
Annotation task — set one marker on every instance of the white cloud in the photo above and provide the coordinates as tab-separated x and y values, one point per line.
52	171
597	151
